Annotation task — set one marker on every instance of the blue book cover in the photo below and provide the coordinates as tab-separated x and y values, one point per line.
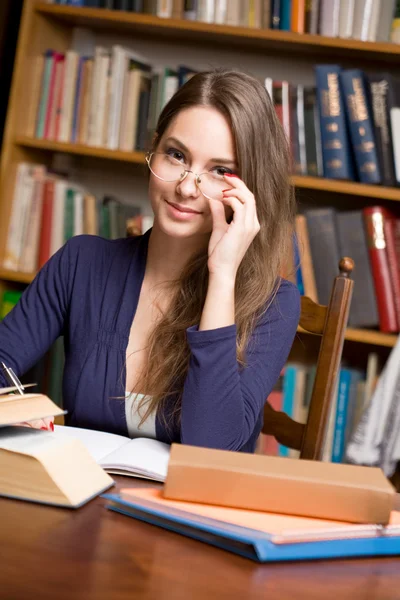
289	389
259	545
297	266
286	13
359	118
336	148
78	99
342	410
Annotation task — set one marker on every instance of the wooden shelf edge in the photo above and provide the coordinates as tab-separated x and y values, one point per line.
365	336
299	181
383	50
17	276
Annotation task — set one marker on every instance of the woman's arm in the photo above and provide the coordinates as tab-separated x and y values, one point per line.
219	307
29	330
222	402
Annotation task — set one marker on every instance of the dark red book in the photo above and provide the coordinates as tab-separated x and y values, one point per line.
46	225
377	239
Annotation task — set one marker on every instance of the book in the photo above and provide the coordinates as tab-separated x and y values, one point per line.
260	536
16	409
120	455
39	466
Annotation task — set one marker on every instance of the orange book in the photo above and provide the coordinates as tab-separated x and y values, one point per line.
298	16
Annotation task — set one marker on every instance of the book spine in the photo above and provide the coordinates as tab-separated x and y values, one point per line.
379	86
47	213
336	150
390	235
285	17
360	123
374	222
311	18
342	409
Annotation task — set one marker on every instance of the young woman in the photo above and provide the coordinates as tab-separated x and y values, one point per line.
179	334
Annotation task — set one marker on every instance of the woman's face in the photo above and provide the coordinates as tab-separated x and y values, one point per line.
198	139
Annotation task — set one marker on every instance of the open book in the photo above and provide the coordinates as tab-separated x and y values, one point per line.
140	457
43	467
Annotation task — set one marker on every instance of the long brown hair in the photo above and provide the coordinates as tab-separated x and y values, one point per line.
264	165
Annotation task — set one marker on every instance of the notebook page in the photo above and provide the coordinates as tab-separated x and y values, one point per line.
280	528
142	456
98	443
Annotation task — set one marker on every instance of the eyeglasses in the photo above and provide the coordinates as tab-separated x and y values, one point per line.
167	168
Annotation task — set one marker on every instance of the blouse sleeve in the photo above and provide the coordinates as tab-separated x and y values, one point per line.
28	331
221	401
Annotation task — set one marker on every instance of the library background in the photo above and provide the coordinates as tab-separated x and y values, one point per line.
85	85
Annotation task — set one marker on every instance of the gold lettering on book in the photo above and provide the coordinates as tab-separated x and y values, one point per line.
356	102
368	167
331	97
379	94
333	145
376	236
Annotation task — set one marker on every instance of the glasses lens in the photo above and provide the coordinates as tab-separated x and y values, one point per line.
166	167
211	185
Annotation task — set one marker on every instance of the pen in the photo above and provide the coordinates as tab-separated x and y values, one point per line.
12	378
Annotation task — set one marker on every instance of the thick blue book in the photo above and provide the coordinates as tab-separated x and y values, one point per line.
360	120
336	148
332	541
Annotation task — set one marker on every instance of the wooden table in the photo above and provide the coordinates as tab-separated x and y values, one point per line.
93	553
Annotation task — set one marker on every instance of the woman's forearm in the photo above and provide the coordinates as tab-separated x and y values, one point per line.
219	307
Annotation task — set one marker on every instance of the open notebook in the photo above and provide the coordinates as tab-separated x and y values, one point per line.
140	457
261	536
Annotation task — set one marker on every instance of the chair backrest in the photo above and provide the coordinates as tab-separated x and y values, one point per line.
330	323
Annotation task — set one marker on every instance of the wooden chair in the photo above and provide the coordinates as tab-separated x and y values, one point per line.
330	323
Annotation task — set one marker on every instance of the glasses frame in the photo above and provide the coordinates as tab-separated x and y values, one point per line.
197	176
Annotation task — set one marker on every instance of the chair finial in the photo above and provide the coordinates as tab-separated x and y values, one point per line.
346	266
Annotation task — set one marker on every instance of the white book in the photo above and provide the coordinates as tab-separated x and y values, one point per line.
346	18
139	457
164	9
27	194
362	19
268	86
68	98
94	92
100	115
221	7
395	125
374	20
30	252
57	227
119	64
329	19
205	11
12	250
78	212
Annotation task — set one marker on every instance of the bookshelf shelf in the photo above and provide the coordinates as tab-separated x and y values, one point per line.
311	183
245	37
16	276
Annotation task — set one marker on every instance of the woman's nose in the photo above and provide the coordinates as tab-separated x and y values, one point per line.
187	187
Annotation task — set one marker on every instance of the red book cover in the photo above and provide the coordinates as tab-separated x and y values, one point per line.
55	60
374	217
46	224
389	226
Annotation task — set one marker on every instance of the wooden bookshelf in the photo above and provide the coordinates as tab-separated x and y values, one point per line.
245	37
322	184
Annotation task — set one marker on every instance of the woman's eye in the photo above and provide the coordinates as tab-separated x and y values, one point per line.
221	171
176	154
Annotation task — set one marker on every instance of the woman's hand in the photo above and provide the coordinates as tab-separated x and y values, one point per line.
229	241
46	424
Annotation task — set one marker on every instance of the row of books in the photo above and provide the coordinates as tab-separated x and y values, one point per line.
371	237
49	209
111	100
368	20
346	127
292	395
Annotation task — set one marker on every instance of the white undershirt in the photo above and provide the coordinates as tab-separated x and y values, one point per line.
148	428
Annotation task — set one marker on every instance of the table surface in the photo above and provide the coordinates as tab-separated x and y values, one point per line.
94	553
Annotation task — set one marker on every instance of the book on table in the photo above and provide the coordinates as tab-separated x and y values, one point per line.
66	467
259	535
